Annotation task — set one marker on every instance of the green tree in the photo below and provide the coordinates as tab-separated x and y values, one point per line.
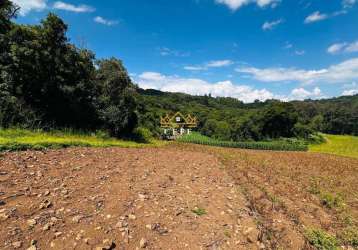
8	10
117	103
248	128
10	106
317	123
302	131
50	76
209	127
279	120
217	129
223	131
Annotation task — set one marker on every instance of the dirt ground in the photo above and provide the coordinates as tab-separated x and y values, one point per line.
175	197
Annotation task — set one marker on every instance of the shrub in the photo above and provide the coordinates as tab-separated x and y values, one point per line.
327	199
314	188
321	240
302	131
217	129
199	211
350	236
102	135
117	121
316	138
143	135
331	201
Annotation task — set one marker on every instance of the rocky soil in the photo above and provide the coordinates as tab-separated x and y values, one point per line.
175	197
123	199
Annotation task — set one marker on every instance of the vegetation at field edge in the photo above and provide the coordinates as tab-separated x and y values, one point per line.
280	145
343	145
21	139
321	240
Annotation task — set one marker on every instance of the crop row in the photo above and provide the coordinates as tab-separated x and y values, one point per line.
265	145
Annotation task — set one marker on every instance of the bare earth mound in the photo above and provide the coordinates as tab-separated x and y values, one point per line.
177	197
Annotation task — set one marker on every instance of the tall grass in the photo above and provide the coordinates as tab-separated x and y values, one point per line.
339	145
280	145
21	139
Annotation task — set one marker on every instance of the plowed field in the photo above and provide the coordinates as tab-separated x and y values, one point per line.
175	197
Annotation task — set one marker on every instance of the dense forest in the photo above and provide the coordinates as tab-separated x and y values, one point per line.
47	82
231	119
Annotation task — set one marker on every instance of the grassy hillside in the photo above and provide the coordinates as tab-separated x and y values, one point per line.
20	139
339	145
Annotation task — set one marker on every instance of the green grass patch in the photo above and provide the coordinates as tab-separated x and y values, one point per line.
330	200
279	145
20	139
199	211
349	236
343	145
321	240
327	199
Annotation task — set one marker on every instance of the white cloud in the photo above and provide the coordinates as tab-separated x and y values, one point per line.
288	45
300	52
301	94
279	74
270	25
237	4
101	20
315	17
339	73
264	3
211	64
195	68
348	3
195	86
350	88
296	51
164	51
353	47
73	8
234	4
27	6
350	92
219	63
336	48
152	77
30	5
338	13
343	48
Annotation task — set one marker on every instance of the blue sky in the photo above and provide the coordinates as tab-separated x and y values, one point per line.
247	49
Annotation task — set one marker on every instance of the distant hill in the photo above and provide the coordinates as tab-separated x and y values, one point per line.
233	102
334	115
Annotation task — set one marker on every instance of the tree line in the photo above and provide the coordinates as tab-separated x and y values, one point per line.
227	118
47	82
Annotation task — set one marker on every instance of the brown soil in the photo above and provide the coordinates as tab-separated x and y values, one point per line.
175	197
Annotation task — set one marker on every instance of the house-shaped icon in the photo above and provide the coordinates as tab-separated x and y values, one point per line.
177	124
